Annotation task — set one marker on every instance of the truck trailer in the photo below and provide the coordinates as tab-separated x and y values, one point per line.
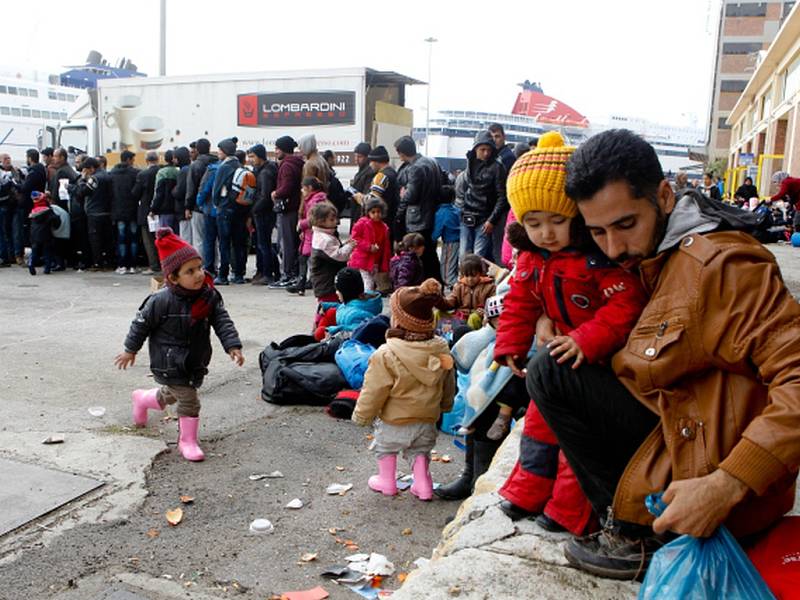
342	107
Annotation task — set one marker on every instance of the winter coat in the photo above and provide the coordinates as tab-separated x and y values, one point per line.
179	349
43	221
125	204
469	299
789	187
304	224
506	156
179	192
362	181
290	175
485	196
203	198
351	315
328	257
143	190
405	269
420	180
367	233
196	171
163	202
385	186
745	192
715	354
266	180
35	181
99	195
222	195
588	297
65	171
447	224
407	382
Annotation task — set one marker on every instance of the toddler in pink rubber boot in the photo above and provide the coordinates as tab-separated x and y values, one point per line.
408	384
177	320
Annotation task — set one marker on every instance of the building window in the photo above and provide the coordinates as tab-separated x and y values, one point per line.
4	110
26	112
12	90
722	124
746	9
45	114
33	93
787	8
37	114
792	80
732	85
62	97
16	112
23	91
741	47
3	89
52	95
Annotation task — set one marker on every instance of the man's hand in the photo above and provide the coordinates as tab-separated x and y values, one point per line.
359	198
698	506
351	242
272	195
545	331
511	362
488	228
374	248
237	356
123	360
566	347
187	214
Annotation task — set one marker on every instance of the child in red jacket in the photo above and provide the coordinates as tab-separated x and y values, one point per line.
594	304
373	246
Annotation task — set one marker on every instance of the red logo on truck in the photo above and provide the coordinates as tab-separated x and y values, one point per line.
297	109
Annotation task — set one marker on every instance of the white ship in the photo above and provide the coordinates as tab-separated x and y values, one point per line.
453	131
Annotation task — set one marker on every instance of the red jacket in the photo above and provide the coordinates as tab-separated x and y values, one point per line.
588	297
367	232
789	187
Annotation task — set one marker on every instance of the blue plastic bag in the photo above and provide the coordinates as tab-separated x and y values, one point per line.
352	357
451	421
691	568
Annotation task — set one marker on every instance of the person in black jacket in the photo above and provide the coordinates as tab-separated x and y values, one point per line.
177	320
35	181
95	187
746	191
124	207
266	172
143	190
192	211
484	206
420	183
62	189
183	159
43	221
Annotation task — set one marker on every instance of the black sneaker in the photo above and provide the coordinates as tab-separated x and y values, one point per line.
282	283
549	524
612	555
514	512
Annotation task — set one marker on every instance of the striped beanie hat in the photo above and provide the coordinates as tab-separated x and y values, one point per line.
538	177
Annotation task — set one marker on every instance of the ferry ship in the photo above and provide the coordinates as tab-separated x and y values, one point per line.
452	131
33	102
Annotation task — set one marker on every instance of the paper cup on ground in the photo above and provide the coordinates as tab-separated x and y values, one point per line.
148	132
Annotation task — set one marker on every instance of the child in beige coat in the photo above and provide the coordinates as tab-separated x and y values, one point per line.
409	382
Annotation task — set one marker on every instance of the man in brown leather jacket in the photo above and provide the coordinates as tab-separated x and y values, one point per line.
703	402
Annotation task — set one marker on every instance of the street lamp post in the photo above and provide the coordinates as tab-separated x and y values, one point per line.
162	55
430	41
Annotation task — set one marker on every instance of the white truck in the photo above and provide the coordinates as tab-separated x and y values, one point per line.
342	107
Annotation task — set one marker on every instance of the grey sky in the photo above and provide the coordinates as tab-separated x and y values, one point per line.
645	58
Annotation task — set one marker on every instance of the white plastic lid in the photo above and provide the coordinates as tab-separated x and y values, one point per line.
262	526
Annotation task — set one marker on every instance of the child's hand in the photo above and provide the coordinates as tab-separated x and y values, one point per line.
374	248
237	356
123	360
351	242
511	362
567	347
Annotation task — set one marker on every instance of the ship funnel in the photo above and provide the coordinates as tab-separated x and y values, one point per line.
94	58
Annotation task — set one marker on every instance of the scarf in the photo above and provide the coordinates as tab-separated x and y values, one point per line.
409	336
201	299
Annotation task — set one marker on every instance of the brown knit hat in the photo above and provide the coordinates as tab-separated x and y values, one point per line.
412	307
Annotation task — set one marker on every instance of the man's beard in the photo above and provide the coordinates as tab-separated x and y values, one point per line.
659	233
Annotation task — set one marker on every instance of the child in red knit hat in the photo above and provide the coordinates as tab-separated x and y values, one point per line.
177	320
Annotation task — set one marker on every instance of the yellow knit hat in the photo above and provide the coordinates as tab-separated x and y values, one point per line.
537	179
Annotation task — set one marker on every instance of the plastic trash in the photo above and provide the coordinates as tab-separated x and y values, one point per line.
352	357
296	503
261	526
691	568
97	411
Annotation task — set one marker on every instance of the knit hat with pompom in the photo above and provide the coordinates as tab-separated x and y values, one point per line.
412	307
538	177
173	251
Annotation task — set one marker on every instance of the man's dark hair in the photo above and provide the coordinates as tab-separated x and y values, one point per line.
472	265
495	127
193	145
102	161
47	151
611	156
710	175
90	162
33	154
61	152
328	154
126	155
203	146
241	155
